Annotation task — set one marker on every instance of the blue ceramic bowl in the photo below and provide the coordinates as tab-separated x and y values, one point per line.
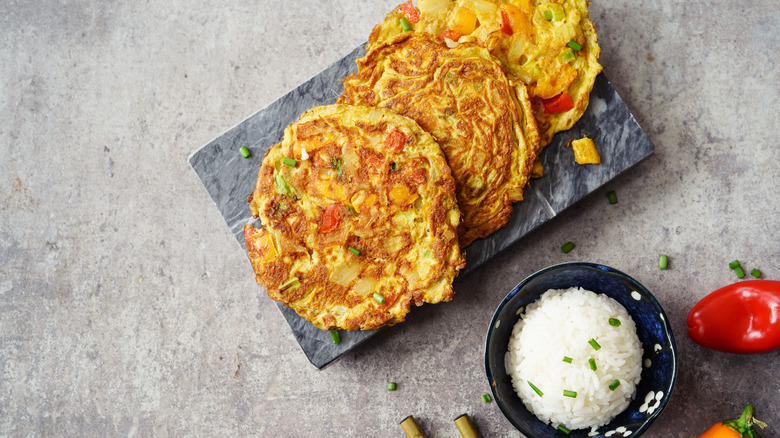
659	370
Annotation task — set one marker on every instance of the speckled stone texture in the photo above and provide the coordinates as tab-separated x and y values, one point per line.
127	309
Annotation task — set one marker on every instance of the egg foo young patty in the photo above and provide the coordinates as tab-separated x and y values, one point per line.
462	97
550	45
359	219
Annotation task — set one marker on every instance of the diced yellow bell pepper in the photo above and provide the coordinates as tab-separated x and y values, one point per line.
462	20
537	171
400	194
361	202
264	245
585	151
518	20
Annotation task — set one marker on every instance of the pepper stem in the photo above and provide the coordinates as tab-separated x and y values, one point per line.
744	424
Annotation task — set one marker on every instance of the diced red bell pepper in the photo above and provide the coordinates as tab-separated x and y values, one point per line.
331	217
558	104
506	28
395	141
454	35
412	14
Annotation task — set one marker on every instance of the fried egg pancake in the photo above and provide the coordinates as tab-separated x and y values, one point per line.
550	45
484	125
359	219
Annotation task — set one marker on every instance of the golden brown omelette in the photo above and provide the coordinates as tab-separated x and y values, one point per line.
550	45
460	95
359	219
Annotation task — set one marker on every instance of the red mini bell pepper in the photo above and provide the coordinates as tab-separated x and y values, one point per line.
558	104
395	141
454	35
743	317
331	217
506	26
412	14
739	428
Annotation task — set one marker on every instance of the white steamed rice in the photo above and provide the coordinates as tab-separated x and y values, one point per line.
559	325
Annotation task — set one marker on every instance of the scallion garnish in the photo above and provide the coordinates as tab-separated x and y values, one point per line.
568	55
567	393
734	264
536	390
756	273
612	197
405	25
547	14
291	282
335	336
379	298
575	45
337	164
564	429
740	273
354	251
592	363
567	359
614	385
391	386
486	398
594	344
284	187
614	322
568	246
289	162
663	261
245	152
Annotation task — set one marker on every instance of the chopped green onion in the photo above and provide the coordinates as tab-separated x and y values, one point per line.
575	45
379	298
614	385
334	334
245	152
564	429
405	24
391	386
354	251
486	398
756	273
289	162
567	393
734	264
337	163
548	14
614	322
568	246
612	197
291	282
567	359
594	344
739	271
284	187
568	55
663	261
592	363
558	14
536	390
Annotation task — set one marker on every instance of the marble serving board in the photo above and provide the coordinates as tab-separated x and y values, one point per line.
229	178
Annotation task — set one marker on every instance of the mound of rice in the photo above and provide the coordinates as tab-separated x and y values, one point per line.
562	324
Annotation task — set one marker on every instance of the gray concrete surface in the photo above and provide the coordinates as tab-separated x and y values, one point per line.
127	309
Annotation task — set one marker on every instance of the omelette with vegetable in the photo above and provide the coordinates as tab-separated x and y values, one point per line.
460	95
359	219
550	45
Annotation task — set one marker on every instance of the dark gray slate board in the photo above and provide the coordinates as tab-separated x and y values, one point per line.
229	178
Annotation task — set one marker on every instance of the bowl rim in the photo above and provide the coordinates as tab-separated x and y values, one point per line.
607	269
